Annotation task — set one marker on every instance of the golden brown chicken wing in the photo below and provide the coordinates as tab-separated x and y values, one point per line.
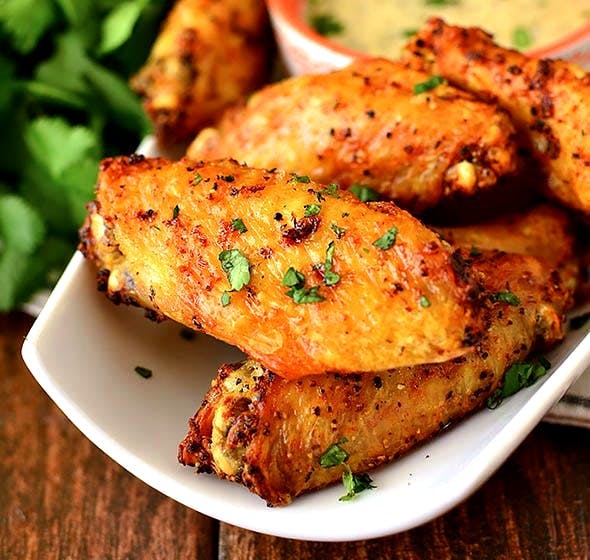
208	55
366	125
269	433
303	277
549	100
543	232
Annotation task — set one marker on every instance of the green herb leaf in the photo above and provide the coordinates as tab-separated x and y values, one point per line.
431	83
339	231
364	194
197	179
474	252
26	21
355	484
326	24
441	2
330	190
306	295
175	212
143	371
300	178
506	296
21	226
293	279
330	277
225	299
236	267
521	38
387	240
334	455
424	301
238	225
408	33
118	25
518	376
311	210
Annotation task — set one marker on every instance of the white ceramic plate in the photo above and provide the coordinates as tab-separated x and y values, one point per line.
83	350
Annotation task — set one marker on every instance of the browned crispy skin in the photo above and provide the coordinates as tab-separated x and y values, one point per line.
543	232
269	433
207	56
364	124
157	229
549	100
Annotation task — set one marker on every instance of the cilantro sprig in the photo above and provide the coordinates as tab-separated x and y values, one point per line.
353	483
295	281
64	105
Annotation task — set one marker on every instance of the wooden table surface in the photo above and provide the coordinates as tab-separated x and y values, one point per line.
62	498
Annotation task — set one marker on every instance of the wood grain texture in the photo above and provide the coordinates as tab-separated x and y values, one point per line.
61	498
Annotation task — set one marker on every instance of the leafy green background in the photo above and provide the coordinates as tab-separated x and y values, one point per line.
64	105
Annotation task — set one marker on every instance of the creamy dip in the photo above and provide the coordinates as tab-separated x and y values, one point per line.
382	27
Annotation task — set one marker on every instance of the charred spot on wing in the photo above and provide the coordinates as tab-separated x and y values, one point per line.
301	229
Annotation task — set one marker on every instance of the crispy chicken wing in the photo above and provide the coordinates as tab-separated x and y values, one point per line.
302	277
208	55
543	232
269	433
549	100
364	124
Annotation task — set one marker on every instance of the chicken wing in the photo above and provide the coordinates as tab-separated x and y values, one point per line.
207	56
269	433
543	232
365	125
304	278
549	100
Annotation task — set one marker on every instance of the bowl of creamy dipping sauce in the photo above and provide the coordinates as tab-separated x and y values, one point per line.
322	35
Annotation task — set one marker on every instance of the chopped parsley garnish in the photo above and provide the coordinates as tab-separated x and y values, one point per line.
521	38
306	295
334	455
364	194
175	212
326	24
431	83
146	373
300	178
197	179
355	484
295	280
339	231
407	33
330	190
236	267
507	297
330	277
579	321
517	377
424	301
387	240
474	252
225	299
238	225
311	210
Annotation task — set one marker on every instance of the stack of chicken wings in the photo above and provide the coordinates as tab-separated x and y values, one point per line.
299	228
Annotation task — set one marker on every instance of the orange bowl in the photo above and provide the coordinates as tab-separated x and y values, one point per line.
306	51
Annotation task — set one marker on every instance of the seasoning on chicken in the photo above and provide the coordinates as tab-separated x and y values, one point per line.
270	433
548	100
207	56
544	232
375	123
303	277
